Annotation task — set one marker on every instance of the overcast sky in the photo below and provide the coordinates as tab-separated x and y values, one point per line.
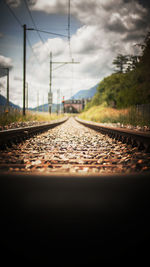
99	30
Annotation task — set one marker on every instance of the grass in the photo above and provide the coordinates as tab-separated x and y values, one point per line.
16	116
100	114
110	115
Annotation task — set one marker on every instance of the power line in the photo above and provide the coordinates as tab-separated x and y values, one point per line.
33	21
38	30
29	43
14	15
58	34
35	25
60	66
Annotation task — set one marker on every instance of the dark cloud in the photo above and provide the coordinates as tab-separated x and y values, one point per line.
110	5
140	23
133	37
130	19
144	3
116	26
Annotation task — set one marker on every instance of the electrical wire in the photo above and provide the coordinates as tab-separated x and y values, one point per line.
38	30
29	43
35	25
14	15
57	34
60	66
33	20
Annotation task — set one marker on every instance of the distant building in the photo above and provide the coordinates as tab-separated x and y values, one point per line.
74	105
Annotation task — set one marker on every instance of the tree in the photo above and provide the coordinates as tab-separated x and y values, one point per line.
132	62
120	62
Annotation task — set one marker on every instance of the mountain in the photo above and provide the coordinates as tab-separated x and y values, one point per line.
45	108
89	93
3	102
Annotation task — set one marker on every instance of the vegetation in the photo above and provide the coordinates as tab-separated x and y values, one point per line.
128	116
128	87
103	114
16	116
125	63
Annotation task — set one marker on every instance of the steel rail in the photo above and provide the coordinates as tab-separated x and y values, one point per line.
8	137
132	137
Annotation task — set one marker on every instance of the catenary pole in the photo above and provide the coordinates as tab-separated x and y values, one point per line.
50	86
27	96
24	68
8	88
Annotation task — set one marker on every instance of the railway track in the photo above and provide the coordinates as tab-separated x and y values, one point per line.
134	138
11	136
71	148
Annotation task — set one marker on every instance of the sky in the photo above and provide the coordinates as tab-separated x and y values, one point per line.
99	30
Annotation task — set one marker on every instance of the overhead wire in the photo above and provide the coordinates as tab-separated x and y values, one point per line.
60	66
52	33
30	14
29	43
19	22
38	30
14	15
33	20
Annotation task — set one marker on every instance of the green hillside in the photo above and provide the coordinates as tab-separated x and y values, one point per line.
125	89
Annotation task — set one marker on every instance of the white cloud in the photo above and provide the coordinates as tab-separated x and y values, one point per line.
5	62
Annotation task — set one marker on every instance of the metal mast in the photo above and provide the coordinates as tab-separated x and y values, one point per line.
50	86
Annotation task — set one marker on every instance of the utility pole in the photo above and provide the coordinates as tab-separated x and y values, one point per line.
27	96
8	88
50	90
24	67
50	95
58	99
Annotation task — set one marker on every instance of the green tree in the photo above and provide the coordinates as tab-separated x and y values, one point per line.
132	62
120	62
